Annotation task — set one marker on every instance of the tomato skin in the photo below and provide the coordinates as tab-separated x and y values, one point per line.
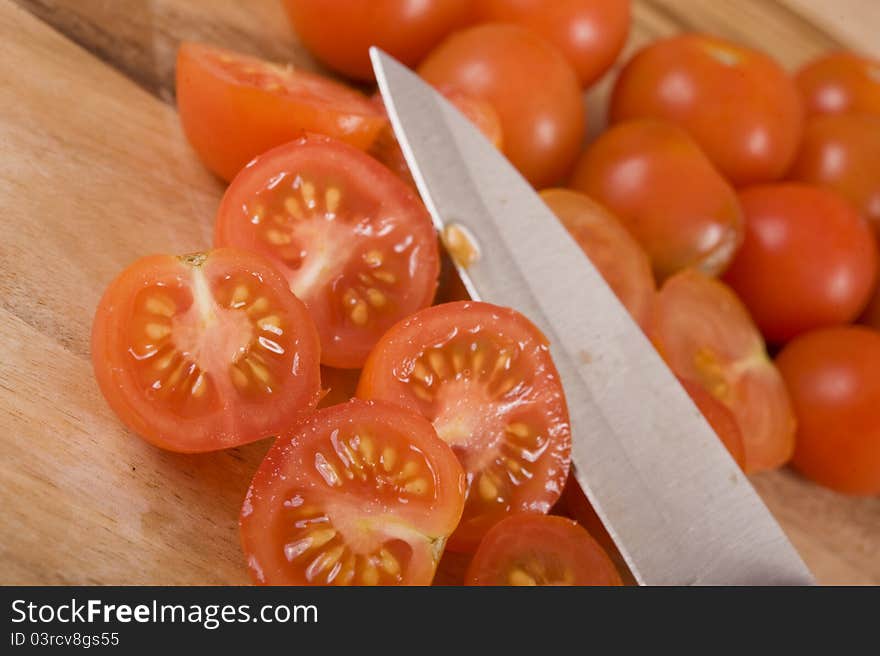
737	103
590	33
326	254
636	170
705	335
840	82
516	436
230	419
525	548
543	125
841	151
612	250
831	375
720	418
320	475
231	115
808	259
340	32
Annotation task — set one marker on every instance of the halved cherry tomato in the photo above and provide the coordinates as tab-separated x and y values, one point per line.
840	82
484	377
355	243
706	335
234	107
362	493
720	418
340	32
808	260
531	86
590	33
737	103
842	152
532	549
205	351
618	257
637	170
832	376
387	150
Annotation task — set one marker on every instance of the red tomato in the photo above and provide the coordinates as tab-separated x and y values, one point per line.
205	351
534	90
532	549
842	152
808	259
590	33
340	32
705	335
234	107
362	493
832	376
720	418
355	243
481	114
738	104
484	377
840	82
612	250
339	385
637	169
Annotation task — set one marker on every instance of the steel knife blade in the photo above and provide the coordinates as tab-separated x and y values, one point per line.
677	506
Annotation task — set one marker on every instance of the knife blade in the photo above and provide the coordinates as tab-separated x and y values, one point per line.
676	505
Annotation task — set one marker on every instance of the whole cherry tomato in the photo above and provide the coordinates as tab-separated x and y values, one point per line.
590	33
529	83
340	32
656	179
840	82
832	377
842	151
808	260
738	104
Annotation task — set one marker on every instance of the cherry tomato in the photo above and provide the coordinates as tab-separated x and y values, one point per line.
484	377
842	151
705	334
340	32
832	378
590	33
840	82
534	90
737	103
533	549
618	257
808	259
205	351
355	243
339	385
720	418
637	169
362	493
234	107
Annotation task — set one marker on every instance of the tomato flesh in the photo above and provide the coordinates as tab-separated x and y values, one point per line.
720	418
362	493
355	243
484	377
529	549
205	351
234	107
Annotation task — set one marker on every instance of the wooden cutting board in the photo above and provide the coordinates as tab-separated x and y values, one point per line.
94	172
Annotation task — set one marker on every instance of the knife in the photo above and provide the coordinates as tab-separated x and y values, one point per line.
673	500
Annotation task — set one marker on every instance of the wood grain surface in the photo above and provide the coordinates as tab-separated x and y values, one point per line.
94	172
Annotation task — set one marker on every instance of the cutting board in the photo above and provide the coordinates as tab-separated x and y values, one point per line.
94	172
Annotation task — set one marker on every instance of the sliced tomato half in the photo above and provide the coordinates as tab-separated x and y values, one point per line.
484	377
355	243
530	549
362	493
205	351
234	107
